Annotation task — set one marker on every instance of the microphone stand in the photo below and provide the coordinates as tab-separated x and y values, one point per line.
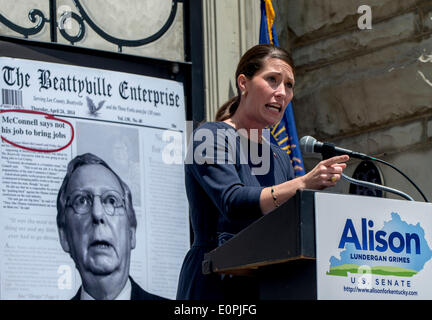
328	152
376	186
405	176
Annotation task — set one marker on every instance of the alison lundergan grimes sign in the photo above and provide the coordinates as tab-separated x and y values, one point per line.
49	114
373	248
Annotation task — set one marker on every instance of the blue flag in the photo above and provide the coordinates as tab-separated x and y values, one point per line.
283	133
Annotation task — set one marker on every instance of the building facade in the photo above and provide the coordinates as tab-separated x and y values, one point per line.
363	68
363	76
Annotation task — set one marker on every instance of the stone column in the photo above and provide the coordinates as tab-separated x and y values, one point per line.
368	90
230	28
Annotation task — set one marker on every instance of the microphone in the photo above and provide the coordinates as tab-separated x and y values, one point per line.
309	144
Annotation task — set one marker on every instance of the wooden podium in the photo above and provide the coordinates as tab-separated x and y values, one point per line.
278	249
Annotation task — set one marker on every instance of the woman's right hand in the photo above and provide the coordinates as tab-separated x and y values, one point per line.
326	173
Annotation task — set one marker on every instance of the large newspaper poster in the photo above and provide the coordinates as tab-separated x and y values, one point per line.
49	114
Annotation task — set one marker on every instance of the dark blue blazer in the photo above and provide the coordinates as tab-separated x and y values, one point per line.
224	198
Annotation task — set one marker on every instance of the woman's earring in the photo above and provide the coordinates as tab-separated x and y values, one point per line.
243	93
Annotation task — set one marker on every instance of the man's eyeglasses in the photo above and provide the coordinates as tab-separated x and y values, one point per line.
82	202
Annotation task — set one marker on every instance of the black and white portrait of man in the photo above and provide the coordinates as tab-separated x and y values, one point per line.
97	227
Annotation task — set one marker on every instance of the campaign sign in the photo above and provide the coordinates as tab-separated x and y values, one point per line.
373	248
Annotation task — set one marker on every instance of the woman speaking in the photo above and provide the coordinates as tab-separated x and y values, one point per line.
226	185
